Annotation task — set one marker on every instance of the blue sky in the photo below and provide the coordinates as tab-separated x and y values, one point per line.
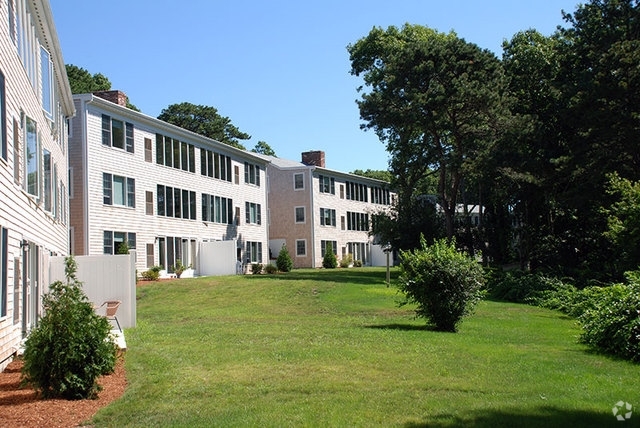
278	69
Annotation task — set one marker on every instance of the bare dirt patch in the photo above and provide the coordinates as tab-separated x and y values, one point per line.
22	407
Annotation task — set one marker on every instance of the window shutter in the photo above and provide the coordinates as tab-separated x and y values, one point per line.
131	192
129	137
106	130
259	216
257	176
247	212
106	189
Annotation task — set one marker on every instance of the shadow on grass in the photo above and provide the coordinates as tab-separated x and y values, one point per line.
401	327
540	417
364	276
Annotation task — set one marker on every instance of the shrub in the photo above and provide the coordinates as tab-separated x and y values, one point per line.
346	261
256	268
70	348
284	262
179	268
612	325
444	283
519	286
152	274
270	269
357	263
329	261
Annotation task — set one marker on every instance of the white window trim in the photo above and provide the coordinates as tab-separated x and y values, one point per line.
305	248
294	181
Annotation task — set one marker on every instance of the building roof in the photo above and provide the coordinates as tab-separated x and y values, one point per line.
290	164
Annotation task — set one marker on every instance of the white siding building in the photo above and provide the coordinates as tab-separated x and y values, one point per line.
35	102
311	207
163	190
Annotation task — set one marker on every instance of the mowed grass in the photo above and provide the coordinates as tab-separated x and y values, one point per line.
331	348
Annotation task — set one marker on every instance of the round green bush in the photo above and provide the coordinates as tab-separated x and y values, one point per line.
444	283
70	348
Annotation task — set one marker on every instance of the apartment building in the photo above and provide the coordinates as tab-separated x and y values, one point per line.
35	102
312	207
166	192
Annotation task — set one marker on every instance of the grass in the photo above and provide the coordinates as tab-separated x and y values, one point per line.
331	348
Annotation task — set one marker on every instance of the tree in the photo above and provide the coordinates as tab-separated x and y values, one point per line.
329	261
382	175
437	101
83	82
70	347
284	262
623	218
204	120
263	148
444	283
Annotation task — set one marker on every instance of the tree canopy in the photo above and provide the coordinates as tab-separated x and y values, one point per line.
204	120
436	101
82	81
263	148
532	138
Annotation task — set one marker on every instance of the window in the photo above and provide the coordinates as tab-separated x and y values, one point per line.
148	150
357	221
380	196
236	174
358	250
12	22
301	247
215	165
356	191
3	119
46	75
342	226
116	133
217	209
254	252
324	244
174	202
174	248
117	242
252	212
298	181
327	217
118	190
327	185
4	254
299	214
32	158
251	174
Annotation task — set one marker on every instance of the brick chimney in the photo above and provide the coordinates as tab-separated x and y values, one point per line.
116	97
313	158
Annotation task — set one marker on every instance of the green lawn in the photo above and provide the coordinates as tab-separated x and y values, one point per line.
331	348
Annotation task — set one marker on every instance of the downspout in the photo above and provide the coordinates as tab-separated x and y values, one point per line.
85	176
312	218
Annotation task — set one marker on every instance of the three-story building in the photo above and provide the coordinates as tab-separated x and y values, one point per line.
35	102
140	183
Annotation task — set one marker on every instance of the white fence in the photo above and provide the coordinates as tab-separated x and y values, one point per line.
104	278
218	258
